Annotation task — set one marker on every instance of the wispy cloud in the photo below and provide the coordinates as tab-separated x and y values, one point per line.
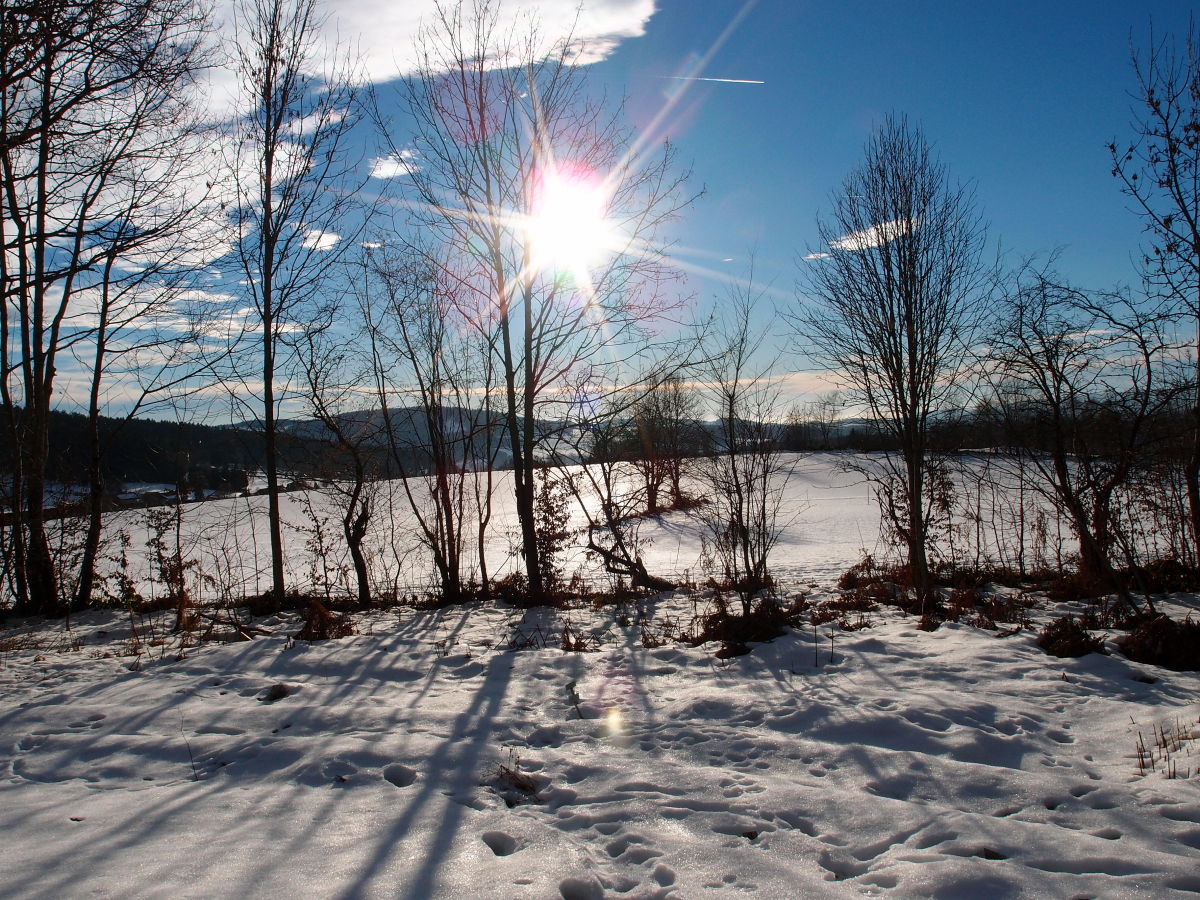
402	163
382	34
316	239
806	385
818	255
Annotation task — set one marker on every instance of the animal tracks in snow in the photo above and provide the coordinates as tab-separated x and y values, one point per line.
943	764
500	843
399	775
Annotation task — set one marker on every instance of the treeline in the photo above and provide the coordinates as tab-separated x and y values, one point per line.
185	454
142	450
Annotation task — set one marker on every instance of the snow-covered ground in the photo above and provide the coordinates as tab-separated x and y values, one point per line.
423	758
829	520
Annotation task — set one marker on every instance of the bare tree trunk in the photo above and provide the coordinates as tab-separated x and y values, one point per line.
271	462
354	526
95	475
918	559
1191	469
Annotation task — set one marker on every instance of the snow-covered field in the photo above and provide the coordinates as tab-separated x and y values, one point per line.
422	758
830	518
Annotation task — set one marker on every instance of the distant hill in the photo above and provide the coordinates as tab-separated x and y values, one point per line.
147	450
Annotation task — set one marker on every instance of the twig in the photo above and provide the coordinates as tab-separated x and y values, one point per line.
188	744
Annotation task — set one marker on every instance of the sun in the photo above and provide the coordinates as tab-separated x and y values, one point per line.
568	226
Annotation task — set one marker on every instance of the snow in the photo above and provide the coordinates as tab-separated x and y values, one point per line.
423	758
830	516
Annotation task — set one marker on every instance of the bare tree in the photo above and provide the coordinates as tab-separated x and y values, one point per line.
92	105
1079	379
516	170
1160	171
332	377
140	346
823	413
602	491
895	290
664	437
294	183
422	351
614	488
745	474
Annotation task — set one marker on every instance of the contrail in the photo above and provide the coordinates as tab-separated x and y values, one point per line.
724	80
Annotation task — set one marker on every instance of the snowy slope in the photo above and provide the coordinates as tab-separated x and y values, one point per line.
951	764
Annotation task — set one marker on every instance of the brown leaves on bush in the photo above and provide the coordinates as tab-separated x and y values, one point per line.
322	625
768	619
1162	641
1066	637
839	609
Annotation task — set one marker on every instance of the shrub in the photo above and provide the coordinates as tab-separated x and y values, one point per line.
930	622
322	625
1162	641
861	573
767	619
980	609
576	640
1066	637
1106	614
839	609
514	786
1073	587
1165	576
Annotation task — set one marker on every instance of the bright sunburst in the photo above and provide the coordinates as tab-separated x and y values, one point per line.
568	227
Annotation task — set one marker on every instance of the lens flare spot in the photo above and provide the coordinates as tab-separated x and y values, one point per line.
614	722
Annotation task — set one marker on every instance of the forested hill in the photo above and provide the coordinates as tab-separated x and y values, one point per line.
145	450
158	452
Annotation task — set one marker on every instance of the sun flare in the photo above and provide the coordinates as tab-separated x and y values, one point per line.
568	225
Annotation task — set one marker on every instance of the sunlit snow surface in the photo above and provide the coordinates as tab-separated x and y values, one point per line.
947	764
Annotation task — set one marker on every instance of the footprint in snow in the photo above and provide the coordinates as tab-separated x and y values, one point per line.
1189	839
632	848
399	775
500	843
798	822
580	889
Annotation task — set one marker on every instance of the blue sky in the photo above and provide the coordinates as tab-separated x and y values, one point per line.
1019	97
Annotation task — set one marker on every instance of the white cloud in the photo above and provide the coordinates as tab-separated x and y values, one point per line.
316	239
310	123
381	34
384	30
395	165
805	385
874	236
818	256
